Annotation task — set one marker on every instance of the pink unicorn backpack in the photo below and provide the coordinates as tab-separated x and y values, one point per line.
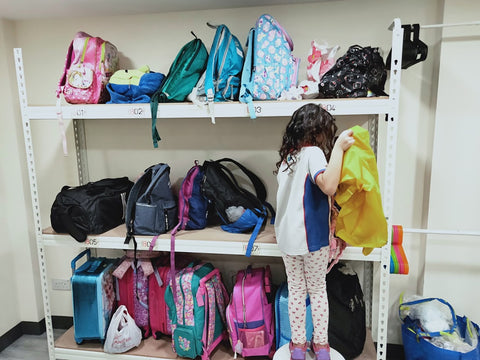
89	64
249	314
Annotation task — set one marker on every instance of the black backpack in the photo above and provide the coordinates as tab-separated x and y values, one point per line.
360	70
225	194
92	208
347	325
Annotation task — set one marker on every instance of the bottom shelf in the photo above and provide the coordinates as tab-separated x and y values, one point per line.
66	348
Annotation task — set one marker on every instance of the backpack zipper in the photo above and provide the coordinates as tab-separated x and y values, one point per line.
197	50
224	56
244	311
165	214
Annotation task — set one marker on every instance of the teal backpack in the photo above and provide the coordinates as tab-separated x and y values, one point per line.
221	79
197	310
186	69
224	68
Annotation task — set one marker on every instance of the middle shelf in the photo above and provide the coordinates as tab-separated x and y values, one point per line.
211	240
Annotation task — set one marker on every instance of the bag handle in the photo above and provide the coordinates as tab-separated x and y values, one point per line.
417	329
71	228
73	263
260	189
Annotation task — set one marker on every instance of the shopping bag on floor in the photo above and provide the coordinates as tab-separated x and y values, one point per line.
436	333
123	334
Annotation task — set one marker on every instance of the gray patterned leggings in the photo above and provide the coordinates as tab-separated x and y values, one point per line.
306	273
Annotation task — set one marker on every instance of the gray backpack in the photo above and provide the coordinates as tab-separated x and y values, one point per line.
151	205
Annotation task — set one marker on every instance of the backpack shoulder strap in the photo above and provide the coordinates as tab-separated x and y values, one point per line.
246	81
212	60
260	190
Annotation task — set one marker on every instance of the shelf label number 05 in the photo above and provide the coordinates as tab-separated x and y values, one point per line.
92	242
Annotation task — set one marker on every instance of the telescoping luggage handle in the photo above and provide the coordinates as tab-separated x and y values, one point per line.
73	264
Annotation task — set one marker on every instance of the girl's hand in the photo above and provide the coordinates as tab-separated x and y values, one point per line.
345	140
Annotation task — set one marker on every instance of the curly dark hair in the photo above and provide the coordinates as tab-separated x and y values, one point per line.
310	125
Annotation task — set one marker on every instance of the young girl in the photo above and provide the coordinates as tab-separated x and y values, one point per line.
305	186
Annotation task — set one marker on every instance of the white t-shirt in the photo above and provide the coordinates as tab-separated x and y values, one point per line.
303	210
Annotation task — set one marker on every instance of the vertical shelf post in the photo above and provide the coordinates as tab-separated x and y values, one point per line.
389	186
27	133
81	151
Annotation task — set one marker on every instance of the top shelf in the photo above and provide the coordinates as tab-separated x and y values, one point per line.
235	109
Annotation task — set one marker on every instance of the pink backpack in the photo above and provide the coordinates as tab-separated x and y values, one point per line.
160	322
249	314
89	64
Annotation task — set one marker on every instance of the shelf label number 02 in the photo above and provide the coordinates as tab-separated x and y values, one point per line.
136	111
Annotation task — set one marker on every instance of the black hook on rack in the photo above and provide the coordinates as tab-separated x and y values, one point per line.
414	50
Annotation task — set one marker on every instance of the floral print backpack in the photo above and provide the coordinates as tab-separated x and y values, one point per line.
269	68
197	300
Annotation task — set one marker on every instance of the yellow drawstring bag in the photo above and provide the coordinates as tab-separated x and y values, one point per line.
361	221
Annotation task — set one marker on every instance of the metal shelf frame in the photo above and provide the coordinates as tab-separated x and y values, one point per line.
80	113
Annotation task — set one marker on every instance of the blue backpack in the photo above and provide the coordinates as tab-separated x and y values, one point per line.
269	67
151	206
224	68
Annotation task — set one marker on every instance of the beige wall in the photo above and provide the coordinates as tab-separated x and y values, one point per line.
452	268
21	300
124	148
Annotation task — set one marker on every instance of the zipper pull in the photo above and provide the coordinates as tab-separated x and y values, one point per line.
165	214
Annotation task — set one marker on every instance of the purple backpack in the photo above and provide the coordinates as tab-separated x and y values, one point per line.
249	314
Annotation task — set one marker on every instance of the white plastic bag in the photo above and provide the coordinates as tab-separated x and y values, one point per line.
122	334
320	59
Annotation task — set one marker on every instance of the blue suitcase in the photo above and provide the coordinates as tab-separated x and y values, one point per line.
93	296
282	322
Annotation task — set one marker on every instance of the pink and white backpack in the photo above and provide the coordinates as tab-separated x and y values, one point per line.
89	64
250	318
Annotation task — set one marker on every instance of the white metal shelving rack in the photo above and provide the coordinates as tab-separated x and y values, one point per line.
201	241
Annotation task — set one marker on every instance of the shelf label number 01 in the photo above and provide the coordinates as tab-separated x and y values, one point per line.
79	113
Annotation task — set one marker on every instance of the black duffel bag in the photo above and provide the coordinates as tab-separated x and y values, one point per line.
90	209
